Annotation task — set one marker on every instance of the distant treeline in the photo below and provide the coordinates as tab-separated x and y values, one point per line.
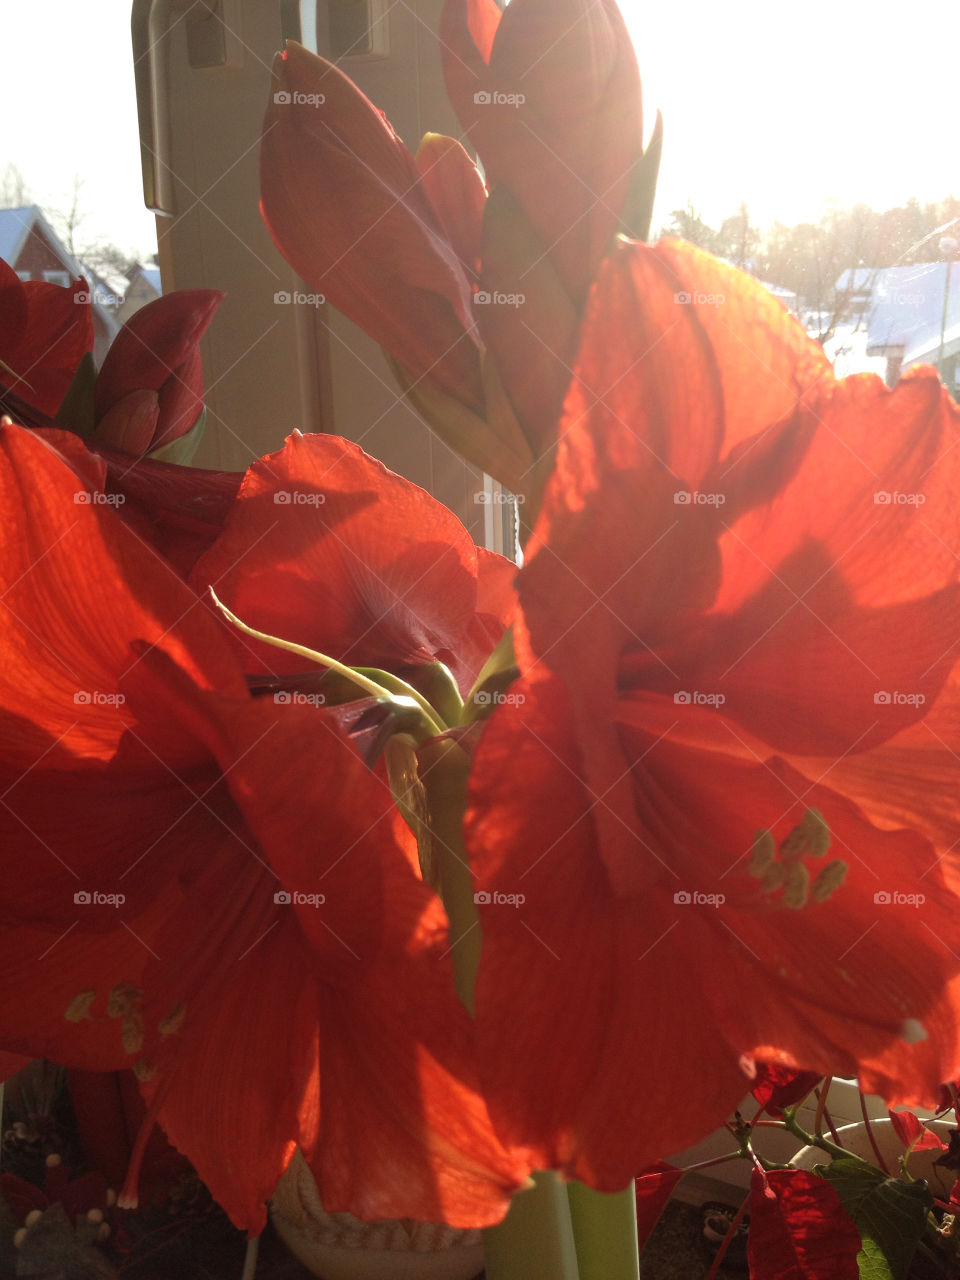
809	257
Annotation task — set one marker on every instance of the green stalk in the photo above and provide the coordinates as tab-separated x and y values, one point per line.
383	687
535	1239
605	1231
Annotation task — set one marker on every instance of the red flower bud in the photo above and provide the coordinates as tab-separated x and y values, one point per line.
155	352
347	207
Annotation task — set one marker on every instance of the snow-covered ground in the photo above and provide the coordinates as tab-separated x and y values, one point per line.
847	350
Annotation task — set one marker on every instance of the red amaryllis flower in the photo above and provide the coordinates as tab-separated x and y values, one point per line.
150	389
45	331
214	889
549	95
327	548
351	211
724	599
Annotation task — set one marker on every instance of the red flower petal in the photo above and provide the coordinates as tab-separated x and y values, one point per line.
329	549
456	191
613	936
44	333
799	1230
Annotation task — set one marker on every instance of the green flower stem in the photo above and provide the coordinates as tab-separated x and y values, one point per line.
535	1239
835	1151
395	685
444	769
384	686
605	1232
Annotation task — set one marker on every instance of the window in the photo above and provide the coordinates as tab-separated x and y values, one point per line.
57	277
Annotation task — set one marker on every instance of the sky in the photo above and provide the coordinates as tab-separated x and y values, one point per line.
780	105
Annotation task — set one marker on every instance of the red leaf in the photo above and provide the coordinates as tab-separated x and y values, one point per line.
654	1188
777	1087
799	1230
914	1135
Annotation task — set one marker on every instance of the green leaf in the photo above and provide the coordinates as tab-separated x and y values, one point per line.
76	408
182	449
890	1216
642	189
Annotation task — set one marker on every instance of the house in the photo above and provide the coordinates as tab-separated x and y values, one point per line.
915	319
853	291
143	286
31	246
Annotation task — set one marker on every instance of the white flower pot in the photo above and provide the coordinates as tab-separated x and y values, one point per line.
338	1246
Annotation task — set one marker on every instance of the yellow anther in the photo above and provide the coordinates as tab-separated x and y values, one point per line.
33	1216
79	1006
122	998
774	878
796	886
830	878
764	854
144	1071
810	835
172	1023
132	1031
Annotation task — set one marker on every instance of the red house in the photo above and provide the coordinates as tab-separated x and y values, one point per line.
31	246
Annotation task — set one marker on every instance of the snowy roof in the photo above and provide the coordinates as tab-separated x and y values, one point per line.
856	280
907	309
786	296
15	227
150	273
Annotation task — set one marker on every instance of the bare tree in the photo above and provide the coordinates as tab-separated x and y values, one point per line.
14	192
